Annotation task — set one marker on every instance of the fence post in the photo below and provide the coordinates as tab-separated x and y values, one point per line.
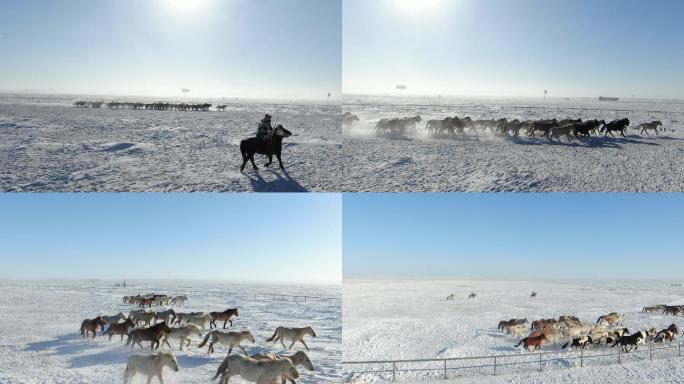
394	369
494	365
679	349
540	362
445	375
581	358
619	355
650	351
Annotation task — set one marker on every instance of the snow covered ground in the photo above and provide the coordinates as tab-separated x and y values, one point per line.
485	162
400	320
40	342
48	145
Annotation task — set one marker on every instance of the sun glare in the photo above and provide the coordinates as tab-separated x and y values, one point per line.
417	6
186	5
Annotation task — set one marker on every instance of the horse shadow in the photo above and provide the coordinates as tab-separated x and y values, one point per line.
108	357
282	183
62	345
187	361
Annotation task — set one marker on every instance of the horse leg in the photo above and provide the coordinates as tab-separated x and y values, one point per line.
230	349
159	376
291	345
270	160
251	158
280	161
224	324
243	349
305	346
283	343
210	350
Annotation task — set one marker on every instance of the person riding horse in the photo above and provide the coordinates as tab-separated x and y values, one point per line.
265	130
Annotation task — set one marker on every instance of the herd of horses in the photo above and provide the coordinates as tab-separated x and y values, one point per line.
673	310
608	330
158	327
158	106
453	127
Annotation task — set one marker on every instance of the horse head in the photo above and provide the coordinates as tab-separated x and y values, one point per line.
302	358
281	131
310	331
168	358
248	335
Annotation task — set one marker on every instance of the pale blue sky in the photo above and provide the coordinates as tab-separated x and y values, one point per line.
231	237
572	48
605	236
233	48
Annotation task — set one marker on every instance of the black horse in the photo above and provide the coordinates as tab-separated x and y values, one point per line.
631	341
616	125
249	147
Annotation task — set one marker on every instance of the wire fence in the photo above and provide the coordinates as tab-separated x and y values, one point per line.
333	301
519	363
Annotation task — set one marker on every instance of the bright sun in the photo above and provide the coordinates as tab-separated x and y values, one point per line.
187	5
417	6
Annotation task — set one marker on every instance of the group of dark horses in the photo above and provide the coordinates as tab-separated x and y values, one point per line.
549	128
158	106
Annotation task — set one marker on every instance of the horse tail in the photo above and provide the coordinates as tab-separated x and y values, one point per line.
565	345
206	338
273	337
521	341
599	319
617	340
221	369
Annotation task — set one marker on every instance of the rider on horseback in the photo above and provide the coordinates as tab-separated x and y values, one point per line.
265	130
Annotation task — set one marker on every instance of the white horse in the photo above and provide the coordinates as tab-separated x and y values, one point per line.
167	316
256	371
146	317
200	321
183	334
149	365
184	316
230	339
294	334
299	358
179	300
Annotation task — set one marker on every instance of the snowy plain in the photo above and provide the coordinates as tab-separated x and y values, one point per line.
484	162
40	342
48	145
411	319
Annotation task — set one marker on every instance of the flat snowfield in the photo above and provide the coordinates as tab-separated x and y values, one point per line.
56	147
39	324
403	320
484	162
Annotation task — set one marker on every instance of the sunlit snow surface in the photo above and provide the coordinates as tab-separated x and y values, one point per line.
40	342
399	320
486	162
48	145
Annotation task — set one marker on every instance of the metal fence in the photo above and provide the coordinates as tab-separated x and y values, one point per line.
298	298
393	370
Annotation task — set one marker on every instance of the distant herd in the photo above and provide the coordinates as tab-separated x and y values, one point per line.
451	127
158	106
157	327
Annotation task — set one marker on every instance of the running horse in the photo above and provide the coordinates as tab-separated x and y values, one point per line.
250	147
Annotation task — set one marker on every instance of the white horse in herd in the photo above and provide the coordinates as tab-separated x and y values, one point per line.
230	339
149	365
294	334
265	371
183	334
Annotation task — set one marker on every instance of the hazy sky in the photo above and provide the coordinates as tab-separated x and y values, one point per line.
232	237
515	48
514	236
241	48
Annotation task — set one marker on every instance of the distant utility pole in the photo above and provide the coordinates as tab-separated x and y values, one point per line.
545	92
185	92
401	89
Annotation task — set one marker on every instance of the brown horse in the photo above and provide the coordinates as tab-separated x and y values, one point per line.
146	302
671	310
152	334
223	316
120	329
91	325
535	341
